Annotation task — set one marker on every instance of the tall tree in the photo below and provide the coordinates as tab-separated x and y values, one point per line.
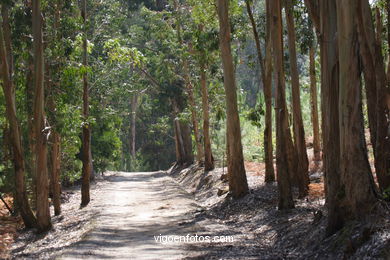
376	88
208	155
26	213
314	105
238	184
86	148
190	92
357	189
324	17
266	77
298	129
42	129
283	135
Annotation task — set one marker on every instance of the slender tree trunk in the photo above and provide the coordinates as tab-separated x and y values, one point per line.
388	46
187	78
30	158
314	106
194	117
184	154
357	193
87	160
377	85
330	112
40	123
283	135
238	184
298	129
266	76
27	214
324	17
134	105
208	155
55	172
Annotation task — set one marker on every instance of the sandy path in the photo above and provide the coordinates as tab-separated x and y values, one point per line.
137	207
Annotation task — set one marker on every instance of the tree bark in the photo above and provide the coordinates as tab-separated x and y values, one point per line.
208	155
357	190
238	184
283	135
298	129
184	154
266	77
40	123
377	86
324	17
194	117
330	112
190	92
134	105
314	106
55	172
87	160
26	213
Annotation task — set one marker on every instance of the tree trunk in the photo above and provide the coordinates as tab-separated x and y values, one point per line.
208	155
40	123
283	135
238	184
27	214
194	117
376	85
87	160
330	112
298	129
357	193
55	172
184	154
314	106
266	77
388	46
134	105
324	17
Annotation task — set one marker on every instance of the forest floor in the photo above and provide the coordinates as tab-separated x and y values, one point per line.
129	211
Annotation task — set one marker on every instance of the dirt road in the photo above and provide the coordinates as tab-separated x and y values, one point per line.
136	208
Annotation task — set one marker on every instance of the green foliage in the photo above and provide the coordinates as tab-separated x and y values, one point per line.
106	143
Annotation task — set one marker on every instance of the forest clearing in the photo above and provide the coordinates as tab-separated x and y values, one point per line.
195	129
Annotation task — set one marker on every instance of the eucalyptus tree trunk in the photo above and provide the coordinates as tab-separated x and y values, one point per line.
194	117
330	112
55	172
388	46
86	147
266	77
298	129
238	184
324	17
184	154
26	213
283	135
377	87
134	105
190	92
208	155
314	106
40	123
357	189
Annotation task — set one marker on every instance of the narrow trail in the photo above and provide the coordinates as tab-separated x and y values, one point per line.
137	207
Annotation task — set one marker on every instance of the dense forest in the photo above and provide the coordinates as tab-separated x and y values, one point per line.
300	88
